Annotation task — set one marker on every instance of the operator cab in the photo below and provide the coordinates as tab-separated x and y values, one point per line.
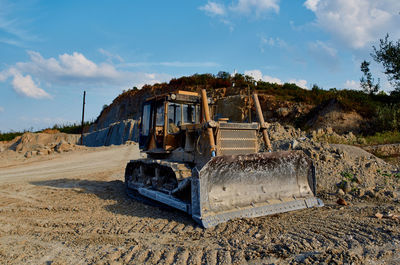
163	119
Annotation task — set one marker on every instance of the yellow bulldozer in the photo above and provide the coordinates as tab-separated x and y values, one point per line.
213	170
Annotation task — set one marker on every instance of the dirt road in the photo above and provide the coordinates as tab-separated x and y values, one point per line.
72	209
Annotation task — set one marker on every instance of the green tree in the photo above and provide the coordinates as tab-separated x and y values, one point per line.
223	75
388	54
366	81
315	88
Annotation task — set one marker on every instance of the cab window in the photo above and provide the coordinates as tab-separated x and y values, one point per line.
146	120
160	115
189	113
174	117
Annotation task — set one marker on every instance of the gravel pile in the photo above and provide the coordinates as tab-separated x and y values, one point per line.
343	171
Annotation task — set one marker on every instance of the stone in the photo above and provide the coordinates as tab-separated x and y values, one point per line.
379	215
370	193
350	135
294	144
63	147
341	201
390	194
326	157
347	187
283	112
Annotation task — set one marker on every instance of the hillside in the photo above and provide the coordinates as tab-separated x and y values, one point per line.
342	110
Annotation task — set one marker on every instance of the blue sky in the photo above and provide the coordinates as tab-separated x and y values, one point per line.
50	51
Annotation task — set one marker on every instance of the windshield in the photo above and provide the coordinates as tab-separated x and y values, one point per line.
189	114
174	117
160	115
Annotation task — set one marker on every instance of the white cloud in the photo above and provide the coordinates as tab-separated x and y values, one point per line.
300	83
249	8
12	26
351	84
68	67
4	75
258	75
25	86
271	79
171	64
324	54
213	9
110	56
1	109
76	69
272	42
311	4
70	70
357	22
255	6
325	48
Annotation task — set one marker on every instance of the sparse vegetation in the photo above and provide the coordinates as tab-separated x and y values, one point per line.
366	81
388	137
8	136
348	176
388	54
72	128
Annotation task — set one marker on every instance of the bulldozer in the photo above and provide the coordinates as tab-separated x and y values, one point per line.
213	170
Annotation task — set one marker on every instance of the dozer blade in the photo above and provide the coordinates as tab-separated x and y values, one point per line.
253	185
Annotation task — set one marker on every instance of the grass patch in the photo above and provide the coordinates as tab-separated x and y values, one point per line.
8	136
71	128
383	138
74	128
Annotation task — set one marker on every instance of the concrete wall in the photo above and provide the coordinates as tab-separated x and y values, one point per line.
116	134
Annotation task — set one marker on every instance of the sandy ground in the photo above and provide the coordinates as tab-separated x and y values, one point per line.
71	209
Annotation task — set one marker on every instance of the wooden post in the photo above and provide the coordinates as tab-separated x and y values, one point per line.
262	123
165	124
208	119
83	115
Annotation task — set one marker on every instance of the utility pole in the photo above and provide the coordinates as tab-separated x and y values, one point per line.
249	105
83	115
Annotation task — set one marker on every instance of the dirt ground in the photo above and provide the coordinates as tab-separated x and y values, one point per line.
70	208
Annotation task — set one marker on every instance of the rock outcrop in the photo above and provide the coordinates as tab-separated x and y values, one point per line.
115	134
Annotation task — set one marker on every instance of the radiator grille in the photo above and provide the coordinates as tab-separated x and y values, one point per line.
235	142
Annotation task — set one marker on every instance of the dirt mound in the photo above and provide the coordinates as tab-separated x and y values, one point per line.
31	144
51	131
384	150
342	170
236	108
332	115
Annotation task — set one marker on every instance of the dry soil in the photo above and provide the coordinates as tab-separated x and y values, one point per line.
71	208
